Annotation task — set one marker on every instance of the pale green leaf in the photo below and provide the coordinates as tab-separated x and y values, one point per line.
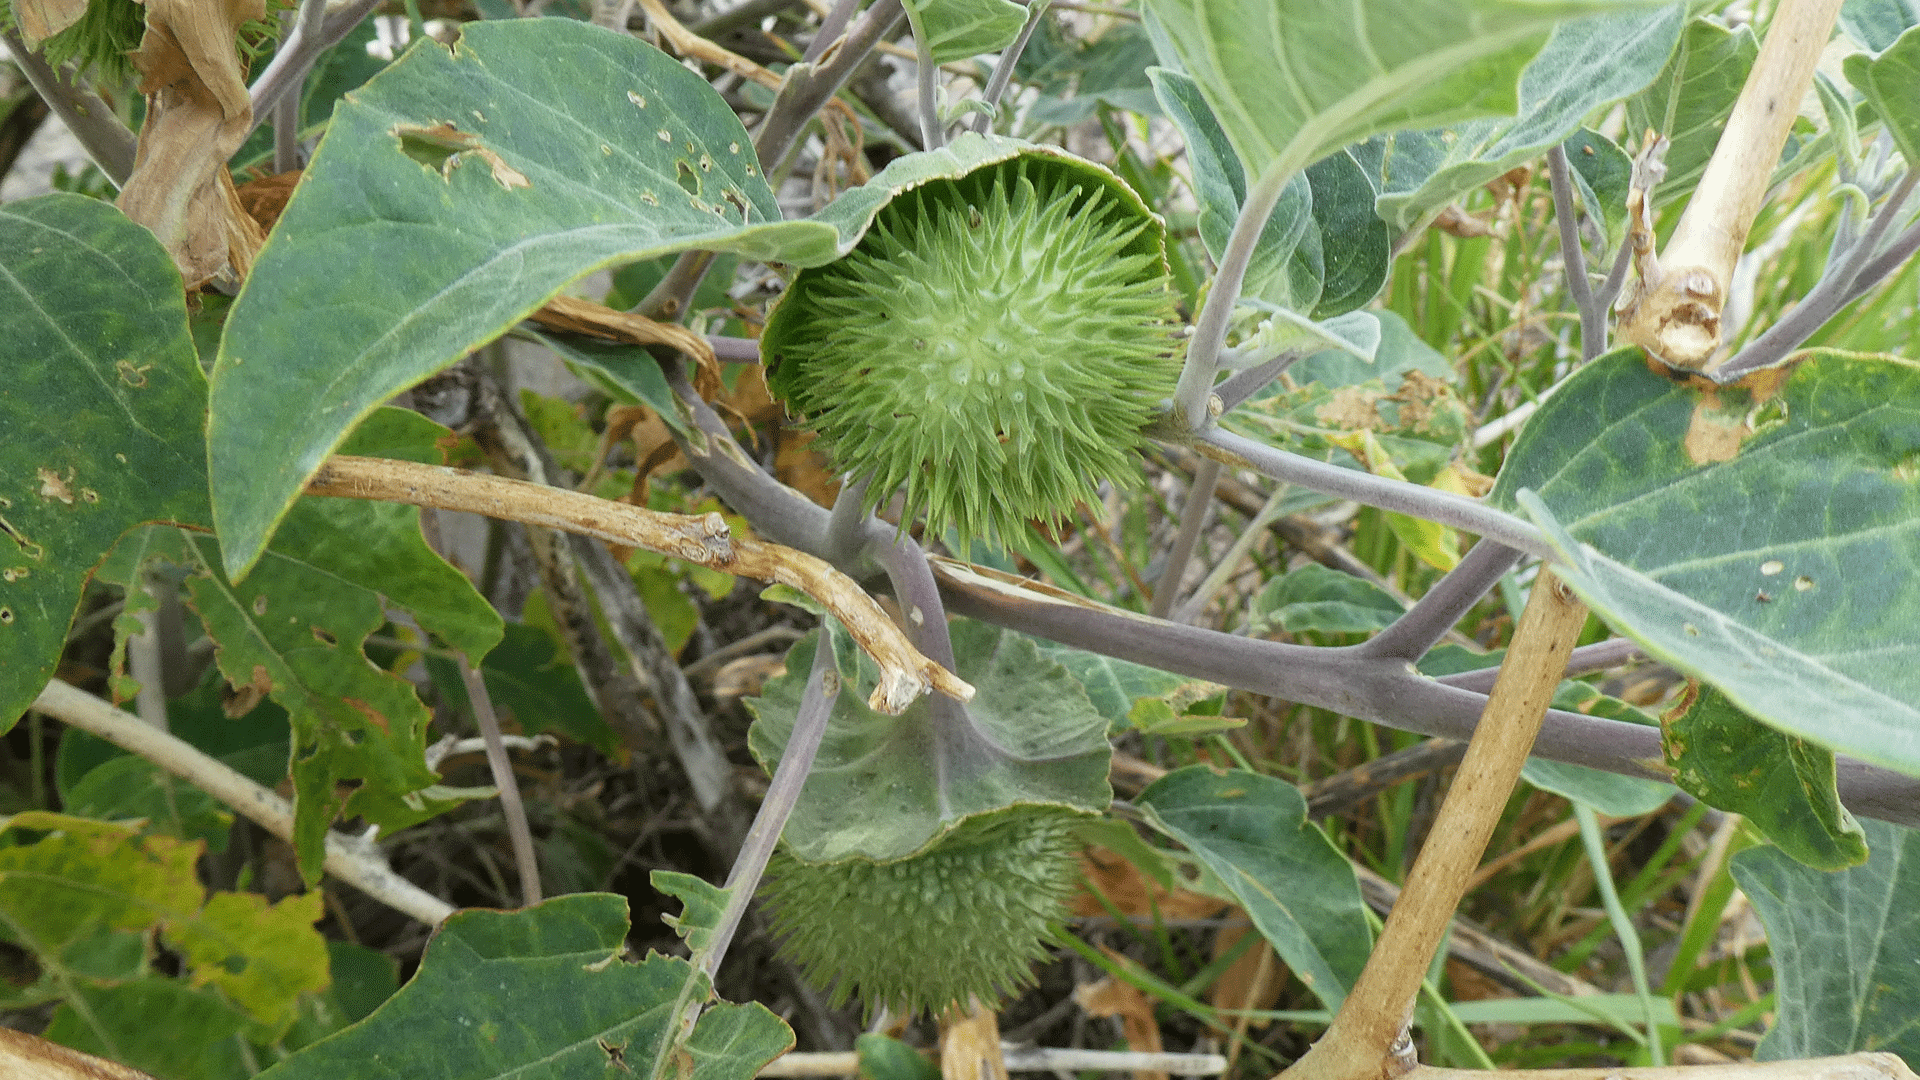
1843	946
452	196
1875	24
102	416
1891	83
959	29
1300	892
1689	100
1766	541
1586	65
1117	687
1314	598
885	787
1294	81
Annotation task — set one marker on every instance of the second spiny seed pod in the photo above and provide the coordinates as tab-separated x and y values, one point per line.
994	344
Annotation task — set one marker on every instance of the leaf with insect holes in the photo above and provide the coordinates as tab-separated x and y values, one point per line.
453	195
1763	536
102	412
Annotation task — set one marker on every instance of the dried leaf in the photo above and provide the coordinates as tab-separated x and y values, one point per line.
39	20
1254	980
1135	1010
970	1045
1134	894
198	114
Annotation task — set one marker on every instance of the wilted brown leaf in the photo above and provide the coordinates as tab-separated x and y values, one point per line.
198	114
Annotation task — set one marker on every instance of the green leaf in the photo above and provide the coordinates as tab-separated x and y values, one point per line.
450	198
1891	83
544	991
1074	77
959	29
1876	24
628	373
1689	100
1761	537
1291	83
1252	832
1603	173
882	1058
82	878
161	1026
1220	185
1785	786
1586	65
1118	687
126	787
1843	946
102	413
1356	246
1314	598
531	680
701	901
885	787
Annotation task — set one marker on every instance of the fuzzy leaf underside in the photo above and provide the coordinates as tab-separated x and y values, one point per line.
450	198
1763	537
1842	946
1291	83
884	787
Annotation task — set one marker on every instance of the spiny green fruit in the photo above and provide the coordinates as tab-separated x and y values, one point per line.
966	918
995	344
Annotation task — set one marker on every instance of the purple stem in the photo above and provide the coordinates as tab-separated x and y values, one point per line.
1424	624
1585	660
1241	385
1573	259
1398	496
1192	517
316	31
789	777
1861	270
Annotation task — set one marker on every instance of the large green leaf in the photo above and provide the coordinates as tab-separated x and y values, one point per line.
1891	83
1252	832
453	195
544	992
101	409
1843	948
158	1025
885	787
1314	598
1763	538
1689	100
1117	687
1294	81
1785	786
1586	64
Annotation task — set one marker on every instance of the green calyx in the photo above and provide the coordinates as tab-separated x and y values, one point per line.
966	918
994	345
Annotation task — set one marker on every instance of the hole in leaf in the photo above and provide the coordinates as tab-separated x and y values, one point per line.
324	637
6	616
688	180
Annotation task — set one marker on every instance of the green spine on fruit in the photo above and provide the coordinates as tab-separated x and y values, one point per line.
966	918
994	344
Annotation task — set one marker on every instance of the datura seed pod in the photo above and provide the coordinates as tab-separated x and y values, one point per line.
994	344
965	918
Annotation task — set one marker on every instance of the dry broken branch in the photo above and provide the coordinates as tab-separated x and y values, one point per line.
905	674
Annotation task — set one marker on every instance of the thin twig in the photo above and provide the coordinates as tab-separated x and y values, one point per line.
1241	385
1023	1059
1422	627
355	862
515	811
1859	271
1190	396
1370	490
1358	1044
933	134
831	27
1192	517
107	140
1229	563
1573	259
847	527
289	67
997	83
704	540
783	792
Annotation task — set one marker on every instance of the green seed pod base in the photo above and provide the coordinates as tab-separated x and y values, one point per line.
966	918
994	344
